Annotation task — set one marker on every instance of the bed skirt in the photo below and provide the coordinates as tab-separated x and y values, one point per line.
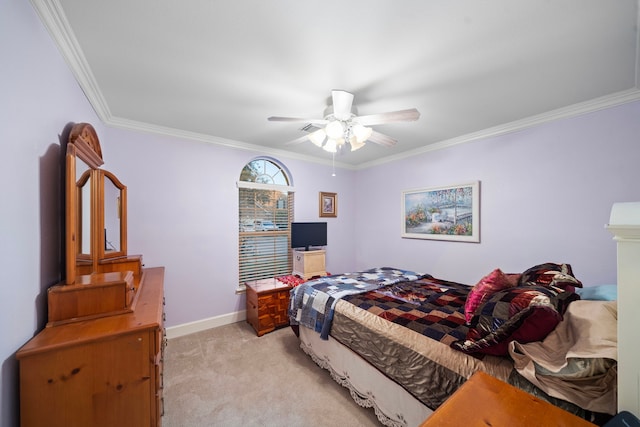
369	388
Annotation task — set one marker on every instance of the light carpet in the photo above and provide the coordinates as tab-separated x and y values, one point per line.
227	376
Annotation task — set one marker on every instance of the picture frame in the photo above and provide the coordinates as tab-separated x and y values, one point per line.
328	205
442	213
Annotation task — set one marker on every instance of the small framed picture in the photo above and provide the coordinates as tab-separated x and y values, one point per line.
328	205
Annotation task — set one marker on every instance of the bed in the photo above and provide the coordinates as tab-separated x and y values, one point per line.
411	331
585	362
402	342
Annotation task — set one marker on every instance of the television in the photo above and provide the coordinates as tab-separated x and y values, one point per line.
308	234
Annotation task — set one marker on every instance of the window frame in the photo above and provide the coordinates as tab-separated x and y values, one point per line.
267	240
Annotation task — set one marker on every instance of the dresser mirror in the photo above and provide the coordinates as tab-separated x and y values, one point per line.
83	230
96	209
112	204
83	156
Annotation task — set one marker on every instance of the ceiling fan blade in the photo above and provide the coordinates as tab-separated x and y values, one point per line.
297	119
409	115
298	140
342	102
310	128
382	139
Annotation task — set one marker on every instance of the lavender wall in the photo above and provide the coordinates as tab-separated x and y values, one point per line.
182	214
39	96
546	194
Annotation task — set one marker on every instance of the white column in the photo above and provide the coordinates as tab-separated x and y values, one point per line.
624	224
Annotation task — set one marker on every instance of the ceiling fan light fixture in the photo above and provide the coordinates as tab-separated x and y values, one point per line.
361	133
334	130
355	144
341	125
331	146
318	137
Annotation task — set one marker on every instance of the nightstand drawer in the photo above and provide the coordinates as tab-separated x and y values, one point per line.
266	323
266	303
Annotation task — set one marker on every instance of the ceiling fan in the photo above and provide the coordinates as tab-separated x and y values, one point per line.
341	125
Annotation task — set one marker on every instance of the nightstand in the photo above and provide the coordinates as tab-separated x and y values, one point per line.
267	305
308	264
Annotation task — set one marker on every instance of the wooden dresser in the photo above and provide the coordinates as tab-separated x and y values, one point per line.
104	371
267	305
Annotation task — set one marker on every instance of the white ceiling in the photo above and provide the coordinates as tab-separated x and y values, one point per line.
214	70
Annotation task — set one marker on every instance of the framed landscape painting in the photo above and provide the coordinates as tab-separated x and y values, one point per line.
442	213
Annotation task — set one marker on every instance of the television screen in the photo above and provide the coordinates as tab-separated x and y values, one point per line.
308	234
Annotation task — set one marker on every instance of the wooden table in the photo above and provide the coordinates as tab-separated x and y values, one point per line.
486	401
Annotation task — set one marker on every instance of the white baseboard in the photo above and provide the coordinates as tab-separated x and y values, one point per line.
204	324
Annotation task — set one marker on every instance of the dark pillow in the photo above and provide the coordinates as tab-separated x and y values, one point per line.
551	275
524	314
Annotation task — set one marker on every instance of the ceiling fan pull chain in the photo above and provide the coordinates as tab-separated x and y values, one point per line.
333	162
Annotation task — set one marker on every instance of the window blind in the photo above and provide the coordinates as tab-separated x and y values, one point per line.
264	238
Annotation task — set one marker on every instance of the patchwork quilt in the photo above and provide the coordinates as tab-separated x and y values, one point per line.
429	306
312	303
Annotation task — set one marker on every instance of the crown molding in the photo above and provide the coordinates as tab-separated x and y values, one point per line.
54	19
230	143
586	107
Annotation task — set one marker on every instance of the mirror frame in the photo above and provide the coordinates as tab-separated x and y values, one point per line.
103	175
83	144
84	233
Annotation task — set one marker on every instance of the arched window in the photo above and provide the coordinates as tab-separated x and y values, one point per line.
265	200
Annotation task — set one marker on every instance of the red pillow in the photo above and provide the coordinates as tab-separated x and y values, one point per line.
524	314
513	278
487	286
